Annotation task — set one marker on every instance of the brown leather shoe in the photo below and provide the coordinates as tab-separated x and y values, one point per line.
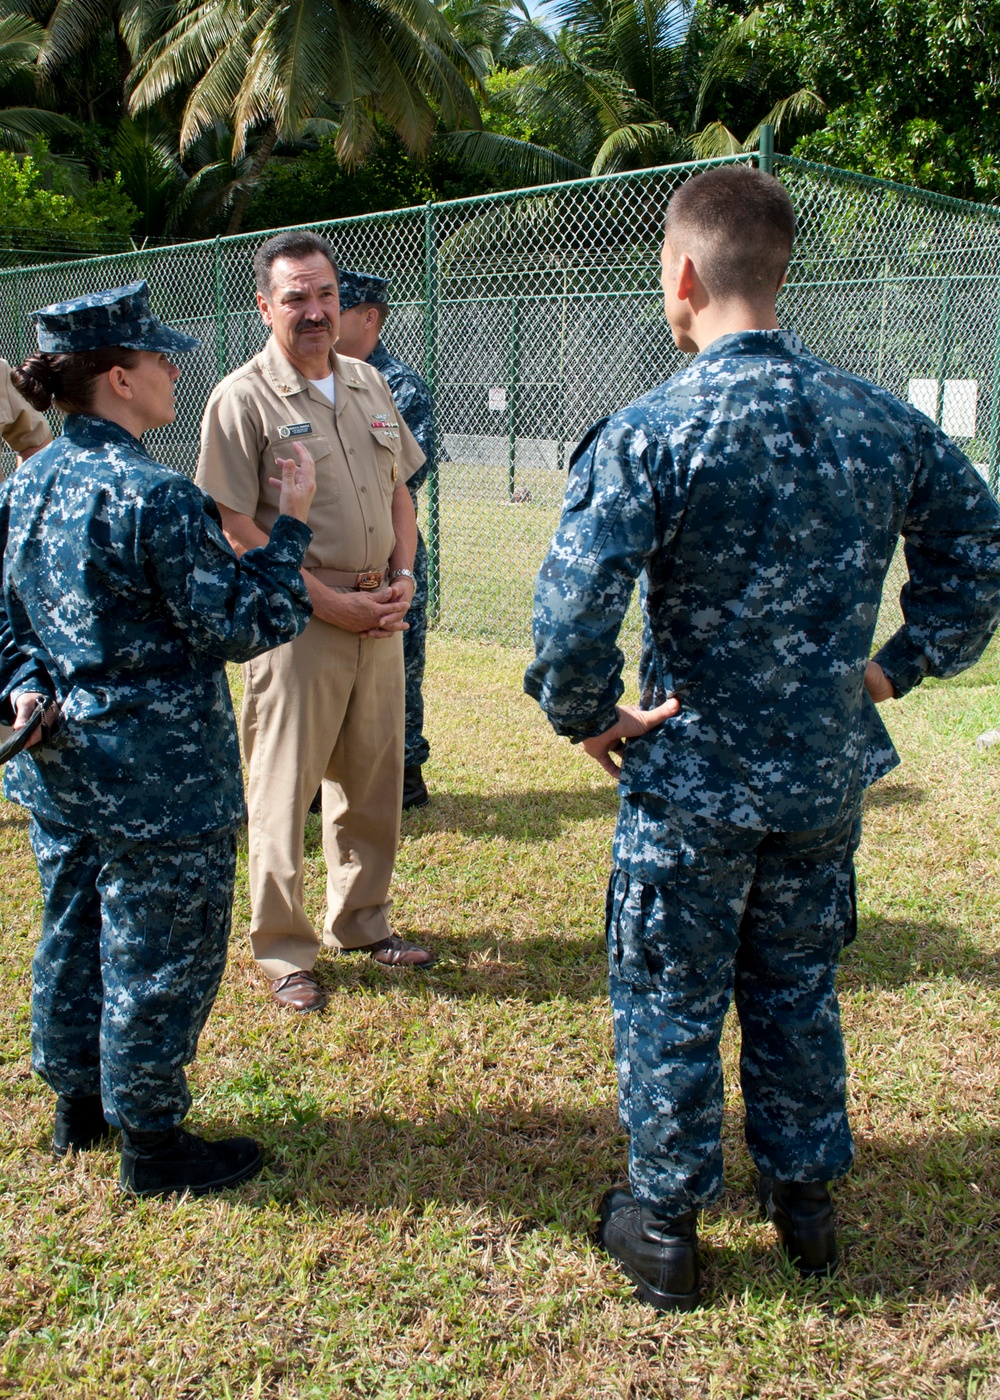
299	991
399	952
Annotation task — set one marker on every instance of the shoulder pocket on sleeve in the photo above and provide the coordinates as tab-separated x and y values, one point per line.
581	469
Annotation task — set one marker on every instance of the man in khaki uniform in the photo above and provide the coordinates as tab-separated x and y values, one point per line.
328	706
24	430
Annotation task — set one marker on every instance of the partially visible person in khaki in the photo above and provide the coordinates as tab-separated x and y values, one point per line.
329	706
22	427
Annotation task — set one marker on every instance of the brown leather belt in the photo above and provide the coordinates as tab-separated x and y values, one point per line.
367	581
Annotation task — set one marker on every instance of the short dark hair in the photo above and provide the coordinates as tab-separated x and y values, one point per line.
68	379
743	225
295	243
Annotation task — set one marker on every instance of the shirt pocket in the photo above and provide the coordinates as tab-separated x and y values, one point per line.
387	453
318	447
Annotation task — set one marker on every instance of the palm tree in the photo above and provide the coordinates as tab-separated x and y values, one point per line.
270	68
752	57
76	30
21	39
613	90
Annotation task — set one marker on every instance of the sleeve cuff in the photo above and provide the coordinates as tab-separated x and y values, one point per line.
576	733
903	663
290	538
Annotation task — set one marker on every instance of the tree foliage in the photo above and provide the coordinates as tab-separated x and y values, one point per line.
888	87
213	114
44	217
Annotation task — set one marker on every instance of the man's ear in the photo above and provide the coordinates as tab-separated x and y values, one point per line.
264	309
685	278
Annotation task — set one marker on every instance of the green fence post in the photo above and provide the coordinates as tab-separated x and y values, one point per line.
944	355
561	386
882	322
514	350
19	313
766	149
993	460
220	314
430	375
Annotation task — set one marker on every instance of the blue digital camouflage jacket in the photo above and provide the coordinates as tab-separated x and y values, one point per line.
122	600
763	491
413	399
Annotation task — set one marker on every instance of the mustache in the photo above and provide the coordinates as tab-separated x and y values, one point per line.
322	325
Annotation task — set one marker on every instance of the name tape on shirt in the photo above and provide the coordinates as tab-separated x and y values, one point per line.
295	430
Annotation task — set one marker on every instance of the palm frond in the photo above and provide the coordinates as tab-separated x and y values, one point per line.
401	100
20	40
715	140
731	57
20	126
214	97
181	56
72	26
791	109
357	133
638	142
140	21
519	161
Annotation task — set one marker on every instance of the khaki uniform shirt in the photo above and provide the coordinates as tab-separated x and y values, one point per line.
23	428
362	449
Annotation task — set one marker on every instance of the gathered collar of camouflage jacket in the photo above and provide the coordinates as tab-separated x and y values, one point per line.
87	430
754	343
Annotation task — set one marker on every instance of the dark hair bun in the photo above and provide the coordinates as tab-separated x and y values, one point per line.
36	380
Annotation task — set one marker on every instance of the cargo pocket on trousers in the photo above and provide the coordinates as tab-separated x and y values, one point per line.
628	907
847	905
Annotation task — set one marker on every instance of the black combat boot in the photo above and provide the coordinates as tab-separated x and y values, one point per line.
160	1164
802	1214
415	792
660	1256
80	1123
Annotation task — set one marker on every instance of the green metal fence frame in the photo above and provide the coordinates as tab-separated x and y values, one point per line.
434	219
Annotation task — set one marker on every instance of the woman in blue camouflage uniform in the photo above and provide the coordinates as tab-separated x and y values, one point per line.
121	603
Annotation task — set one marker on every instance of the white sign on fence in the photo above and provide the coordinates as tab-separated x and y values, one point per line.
958	412
958	406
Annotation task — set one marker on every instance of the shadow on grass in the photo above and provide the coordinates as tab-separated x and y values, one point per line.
894	952
513	816
491	965
915	1218
888	794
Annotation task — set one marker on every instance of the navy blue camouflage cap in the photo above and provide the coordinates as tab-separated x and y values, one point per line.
358	287
119	316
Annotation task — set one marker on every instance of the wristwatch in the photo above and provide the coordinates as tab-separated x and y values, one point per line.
403	573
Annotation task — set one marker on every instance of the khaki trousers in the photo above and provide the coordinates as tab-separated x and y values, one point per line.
328	706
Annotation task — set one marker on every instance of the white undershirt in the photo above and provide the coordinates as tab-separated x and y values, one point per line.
325	386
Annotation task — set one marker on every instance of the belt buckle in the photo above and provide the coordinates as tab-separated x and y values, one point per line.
369	580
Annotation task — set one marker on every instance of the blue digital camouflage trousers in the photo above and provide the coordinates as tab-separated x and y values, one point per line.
699	911
416	750
133	946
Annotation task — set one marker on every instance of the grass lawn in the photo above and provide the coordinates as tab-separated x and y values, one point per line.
437	1142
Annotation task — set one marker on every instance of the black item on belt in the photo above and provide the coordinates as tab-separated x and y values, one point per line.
13	746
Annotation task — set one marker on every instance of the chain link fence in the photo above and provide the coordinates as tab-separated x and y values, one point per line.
533	313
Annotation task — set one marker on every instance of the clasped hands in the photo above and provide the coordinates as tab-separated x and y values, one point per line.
380	613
